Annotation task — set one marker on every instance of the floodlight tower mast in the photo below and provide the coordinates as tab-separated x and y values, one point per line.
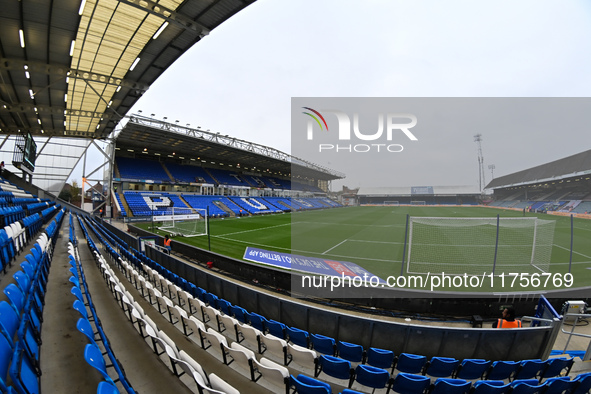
478	140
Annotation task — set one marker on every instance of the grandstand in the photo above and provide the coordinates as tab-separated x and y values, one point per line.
230	178
112	316
559	187
416	195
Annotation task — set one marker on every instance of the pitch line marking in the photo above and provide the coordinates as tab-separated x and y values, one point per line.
302	251
256	229
580	254
339	244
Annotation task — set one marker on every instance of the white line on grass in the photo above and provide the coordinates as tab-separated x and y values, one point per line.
304	252
340	243
580	254
257	229
352	224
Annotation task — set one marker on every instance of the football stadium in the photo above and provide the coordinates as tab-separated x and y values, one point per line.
205	263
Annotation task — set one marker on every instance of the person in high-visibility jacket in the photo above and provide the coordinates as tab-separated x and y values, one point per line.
508	320
167	243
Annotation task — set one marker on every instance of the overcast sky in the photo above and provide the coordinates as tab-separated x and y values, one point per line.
240	79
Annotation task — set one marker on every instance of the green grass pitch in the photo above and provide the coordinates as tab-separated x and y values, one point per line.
373	237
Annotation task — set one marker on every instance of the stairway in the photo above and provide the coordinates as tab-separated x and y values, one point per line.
225	208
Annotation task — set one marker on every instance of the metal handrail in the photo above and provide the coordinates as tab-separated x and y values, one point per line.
572	332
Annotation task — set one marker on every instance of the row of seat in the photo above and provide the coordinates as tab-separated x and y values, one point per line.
21	317
180	363
381	358
418	384
89	318
193	315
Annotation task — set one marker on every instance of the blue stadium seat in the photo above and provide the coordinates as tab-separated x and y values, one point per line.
380	358
323	344
350	351
441	367
406	383
307	385
472	368
298	337
583	383
502	370
335	367
450	386
491	387
410	363
557	366
376	378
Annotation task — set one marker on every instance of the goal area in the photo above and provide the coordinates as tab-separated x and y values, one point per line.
186	222
478	246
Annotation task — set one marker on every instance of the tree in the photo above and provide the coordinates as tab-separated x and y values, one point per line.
65	195
75	190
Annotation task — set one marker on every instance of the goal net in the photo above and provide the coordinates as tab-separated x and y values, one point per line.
479	245
186	222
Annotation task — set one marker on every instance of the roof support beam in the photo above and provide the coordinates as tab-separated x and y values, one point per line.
65	71
169	15
53	110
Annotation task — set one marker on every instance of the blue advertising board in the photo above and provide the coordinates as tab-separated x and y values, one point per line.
315	265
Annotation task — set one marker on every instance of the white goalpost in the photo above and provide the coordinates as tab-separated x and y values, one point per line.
186	222
476	246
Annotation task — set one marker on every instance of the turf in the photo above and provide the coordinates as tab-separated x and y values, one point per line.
373	237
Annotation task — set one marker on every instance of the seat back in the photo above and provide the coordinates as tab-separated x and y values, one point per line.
306	385
9	318
410	384
441	367
323	344
94	357
559	385
335	367
472	368
530	369
557	366
24	374
451	386
583	383
502	370
490	387
410	363
527	386
369	376
350	351
380	358
298	337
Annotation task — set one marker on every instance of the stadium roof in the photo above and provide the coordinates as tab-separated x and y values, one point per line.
76	67
408	190
147	137
70	70
575	165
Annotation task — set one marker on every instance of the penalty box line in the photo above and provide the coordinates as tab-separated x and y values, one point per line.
360	240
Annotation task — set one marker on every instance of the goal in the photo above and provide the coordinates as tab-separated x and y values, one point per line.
418	203
186	222
478	246
392	203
